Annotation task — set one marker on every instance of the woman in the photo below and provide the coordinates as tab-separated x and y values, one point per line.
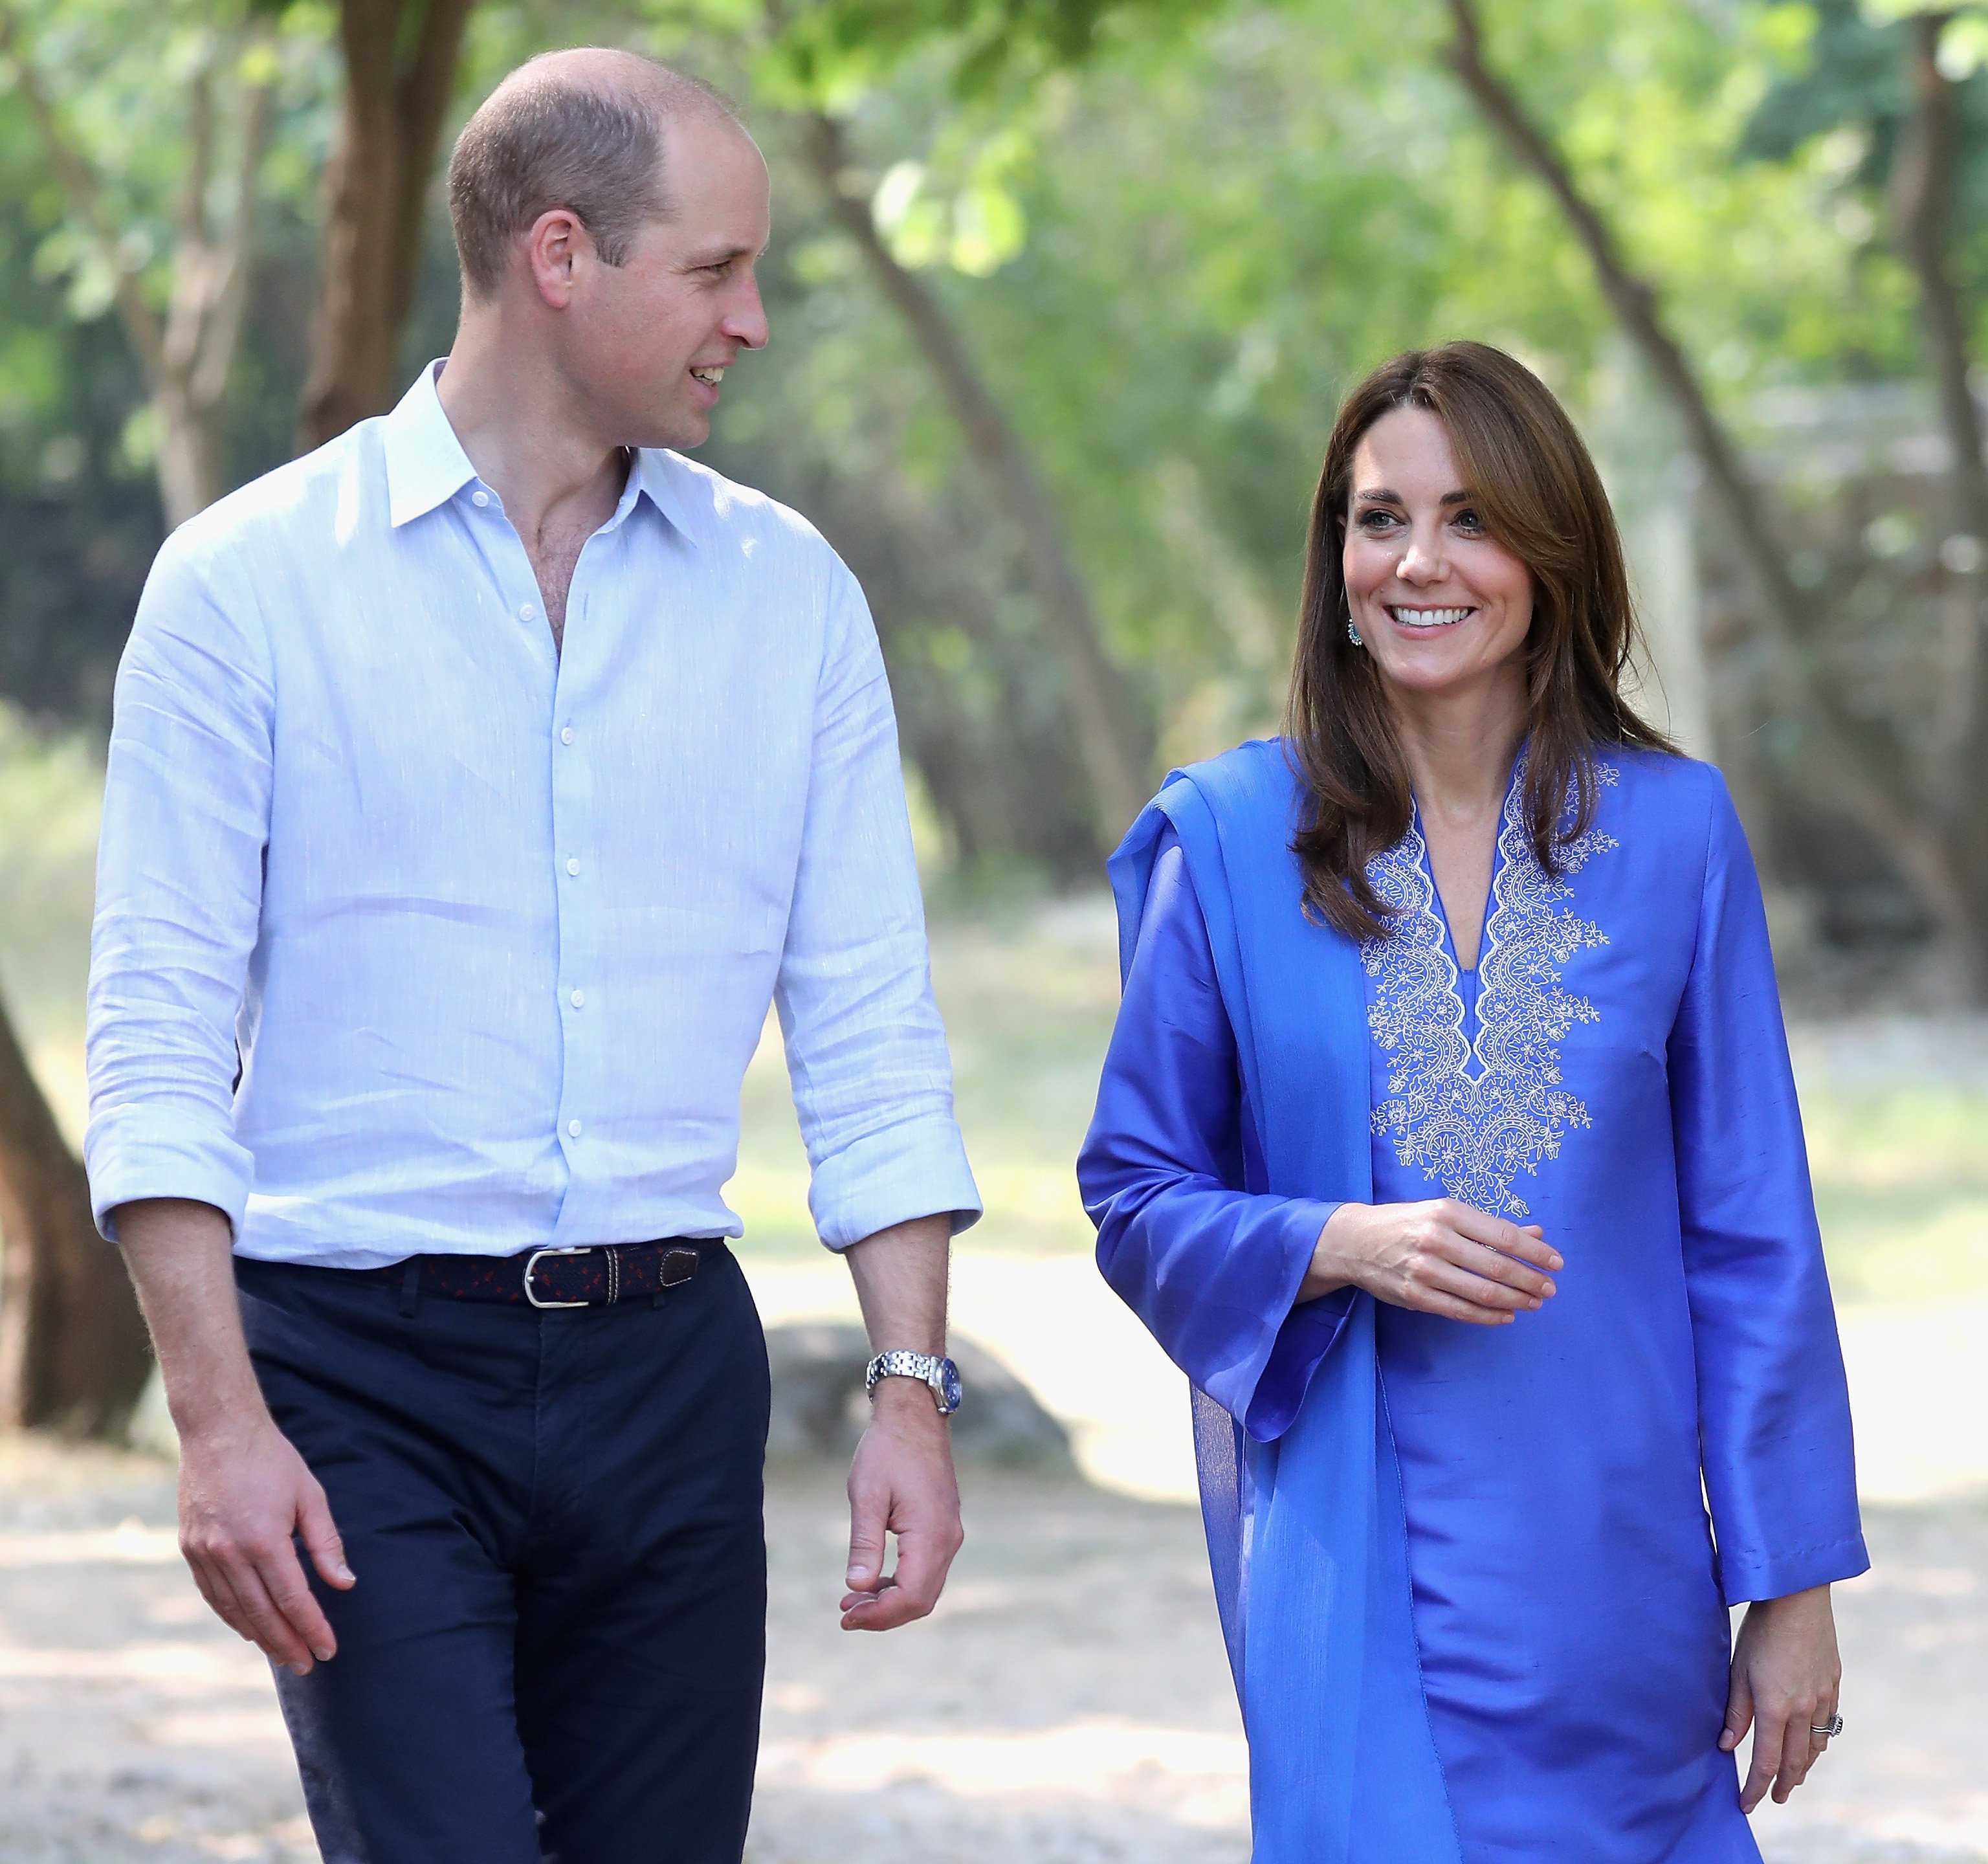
1448	1142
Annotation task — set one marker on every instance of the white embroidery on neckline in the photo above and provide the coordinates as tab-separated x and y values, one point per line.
1474	1115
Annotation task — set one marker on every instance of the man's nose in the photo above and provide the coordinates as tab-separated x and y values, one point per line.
745	322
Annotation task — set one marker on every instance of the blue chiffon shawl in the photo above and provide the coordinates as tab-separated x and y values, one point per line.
1306	1535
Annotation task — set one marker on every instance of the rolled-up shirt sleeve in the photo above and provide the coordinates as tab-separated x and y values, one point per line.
866	1050
186	815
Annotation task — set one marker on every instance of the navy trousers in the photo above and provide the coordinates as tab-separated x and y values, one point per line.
555	1647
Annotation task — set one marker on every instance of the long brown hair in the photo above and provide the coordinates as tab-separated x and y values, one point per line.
1530	478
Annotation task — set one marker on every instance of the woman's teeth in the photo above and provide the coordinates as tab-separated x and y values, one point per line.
1428	617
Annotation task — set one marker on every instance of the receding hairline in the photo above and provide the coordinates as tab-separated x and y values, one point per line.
615	75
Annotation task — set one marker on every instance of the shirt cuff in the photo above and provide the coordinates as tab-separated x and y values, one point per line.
916	1169
131	1154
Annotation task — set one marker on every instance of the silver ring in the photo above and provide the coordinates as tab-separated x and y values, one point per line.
1824	1731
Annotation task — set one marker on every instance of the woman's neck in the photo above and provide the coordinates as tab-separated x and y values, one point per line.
1459	745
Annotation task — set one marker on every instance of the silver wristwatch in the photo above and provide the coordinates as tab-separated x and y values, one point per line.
941	1374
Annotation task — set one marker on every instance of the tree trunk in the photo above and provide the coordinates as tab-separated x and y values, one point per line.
196	349
1834	762
192	465
73	1353
400	57
1921	190
1111	737
1000	763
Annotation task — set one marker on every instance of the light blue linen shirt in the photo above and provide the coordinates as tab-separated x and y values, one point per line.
496	928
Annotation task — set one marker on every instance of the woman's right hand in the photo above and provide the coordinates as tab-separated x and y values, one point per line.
1440	1257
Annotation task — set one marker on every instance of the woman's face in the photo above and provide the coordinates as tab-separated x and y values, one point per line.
1440	605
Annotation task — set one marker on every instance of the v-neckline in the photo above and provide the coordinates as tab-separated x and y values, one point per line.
1440	906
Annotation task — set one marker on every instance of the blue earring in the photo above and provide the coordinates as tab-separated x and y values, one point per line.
1353	635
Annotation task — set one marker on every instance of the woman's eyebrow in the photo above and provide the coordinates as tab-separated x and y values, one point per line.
1380	494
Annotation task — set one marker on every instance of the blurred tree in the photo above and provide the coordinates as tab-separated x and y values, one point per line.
400	58
221	117
72	1348
74	1357
815	59
1904	81
1112	739
1861	785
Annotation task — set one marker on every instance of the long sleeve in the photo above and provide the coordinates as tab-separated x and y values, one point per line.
1212	1268
873	1083
1774	1410
186	816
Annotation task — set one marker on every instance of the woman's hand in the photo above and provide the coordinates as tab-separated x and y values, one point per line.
1442	1258
1786	1675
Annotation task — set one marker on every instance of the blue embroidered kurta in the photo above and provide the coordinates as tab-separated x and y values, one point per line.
1490	1543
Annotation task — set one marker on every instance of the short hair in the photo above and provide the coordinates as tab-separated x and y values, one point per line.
545	141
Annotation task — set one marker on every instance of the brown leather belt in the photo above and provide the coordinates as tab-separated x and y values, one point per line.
592	1275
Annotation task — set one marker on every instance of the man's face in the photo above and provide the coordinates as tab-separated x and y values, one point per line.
648	340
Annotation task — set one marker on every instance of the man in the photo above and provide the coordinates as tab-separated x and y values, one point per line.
476	782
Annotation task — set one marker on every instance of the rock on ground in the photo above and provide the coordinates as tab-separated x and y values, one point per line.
819	1406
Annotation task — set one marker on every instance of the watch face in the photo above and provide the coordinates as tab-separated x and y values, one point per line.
948	1384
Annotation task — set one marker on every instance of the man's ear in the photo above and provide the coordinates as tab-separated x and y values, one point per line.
555	248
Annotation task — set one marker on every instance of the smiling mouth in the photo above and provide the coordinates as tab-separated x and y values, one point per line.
710	376
1429	617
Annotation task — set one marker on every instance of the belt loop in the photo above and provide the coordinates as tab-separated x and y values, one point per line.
410	1283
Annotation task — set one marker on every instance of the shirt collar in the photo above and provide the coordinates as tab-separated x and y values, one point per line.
426	466
653	474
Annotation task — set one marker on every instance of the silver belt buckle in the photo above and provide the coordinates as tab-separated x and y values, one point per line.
531	1262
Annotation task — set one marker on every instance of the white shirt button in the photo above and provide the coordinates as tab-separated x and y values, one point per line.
479	498
572	864
579	999
572	1129
526	613
565	736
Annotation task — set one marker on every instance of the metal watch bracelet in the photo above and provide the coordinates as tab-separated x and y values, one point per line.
941	1375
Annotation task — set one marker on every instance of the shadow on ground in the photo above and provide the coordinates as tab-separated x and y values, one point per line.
1069	1702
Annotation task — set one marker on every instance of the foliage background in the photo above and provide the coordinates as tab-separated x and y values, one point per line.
1168	260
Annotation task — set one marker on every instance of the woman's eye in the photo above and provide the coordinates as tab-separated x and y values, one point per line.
1376	519
1467	520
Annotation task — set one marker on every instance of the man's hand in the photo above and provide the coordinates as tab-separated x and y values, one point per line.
901	1481
1786	1678
244	1490
244	1493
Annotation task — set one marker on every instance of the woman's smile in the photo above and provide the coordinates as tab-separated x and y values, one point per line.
1405	617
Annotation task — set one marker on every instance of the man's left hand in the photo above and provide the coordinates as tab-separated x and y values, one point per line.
901	1483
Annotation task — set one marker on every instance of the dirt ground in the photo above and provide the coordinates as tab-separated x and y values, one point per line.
1068	1702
